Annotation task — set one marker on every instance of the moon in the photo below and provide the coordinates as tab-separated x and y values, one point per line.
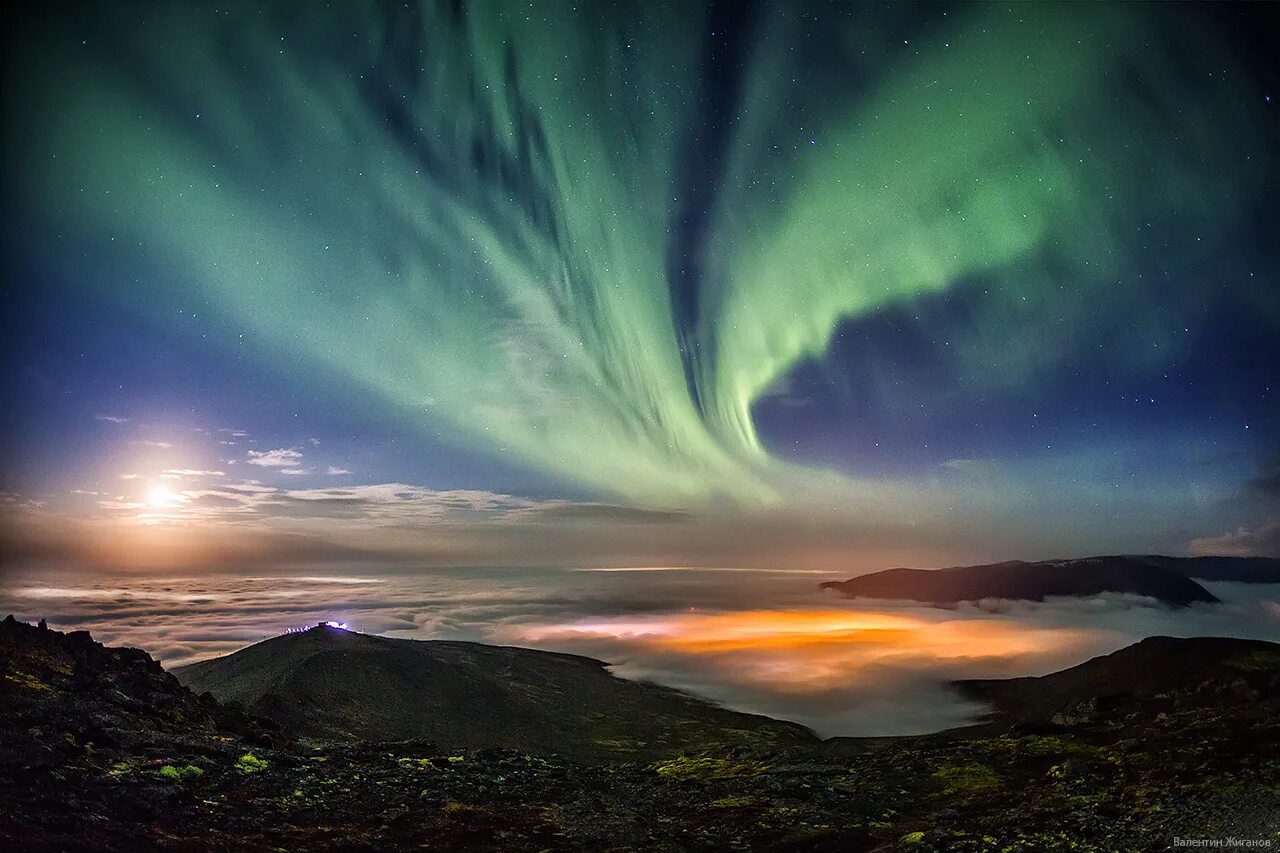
161	498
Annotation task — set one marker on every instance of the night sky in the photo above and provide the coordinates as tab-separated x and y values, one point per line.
796	285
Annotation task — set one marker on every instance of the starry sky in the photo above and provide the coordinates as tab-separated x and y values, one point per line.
806	285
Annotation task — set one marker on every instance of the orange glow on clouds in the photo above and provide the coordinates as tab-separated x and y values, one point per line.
806	649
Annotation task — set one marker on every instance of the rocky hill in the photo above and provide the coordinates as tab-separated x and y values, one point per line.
1020	580
1154	676
341	685
102	750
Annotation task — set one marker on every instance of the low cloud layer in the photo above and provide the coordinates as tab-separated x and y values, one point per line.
758	640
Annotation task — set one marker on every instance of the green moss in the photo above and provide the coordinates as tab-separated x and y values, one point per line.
416	763
1032	747
966	780
186	772
782	812
27	682
456	759
733	802
1048	745
250	763
704	768
1037	842
912	838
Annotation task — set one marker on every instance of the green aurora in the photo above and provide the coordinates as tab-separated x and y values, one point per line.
471	215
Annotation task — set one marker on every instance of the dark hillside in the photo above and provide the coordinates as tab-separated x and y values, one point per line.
335	684
1028	582
1155	675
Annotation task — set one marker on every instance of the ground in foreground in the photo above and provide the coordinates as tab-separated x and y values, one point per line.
101	749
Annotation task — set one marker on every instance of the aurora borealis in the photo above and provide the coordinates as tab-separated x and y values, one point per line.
892	280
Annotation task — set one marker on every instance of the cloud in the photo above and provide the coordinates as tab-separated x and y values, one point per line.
333	471
215	500
111	419
119	503
282	457
402	503
1260	541
594	512
250	487
191	472
149	443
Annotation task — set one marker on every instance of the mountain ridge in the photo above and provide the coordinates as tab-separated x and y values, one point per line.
1155	675
1035	581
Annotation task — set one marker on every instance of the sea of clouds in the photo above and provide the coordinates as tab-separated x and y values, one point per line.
764	641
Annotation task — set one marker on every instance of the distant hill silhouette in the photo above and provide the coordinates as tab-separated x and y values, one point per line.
336	684
1020	580
1154	675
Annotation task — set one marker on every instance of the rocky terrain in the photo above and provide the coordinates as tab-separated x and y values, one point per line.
100	749
1159	578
